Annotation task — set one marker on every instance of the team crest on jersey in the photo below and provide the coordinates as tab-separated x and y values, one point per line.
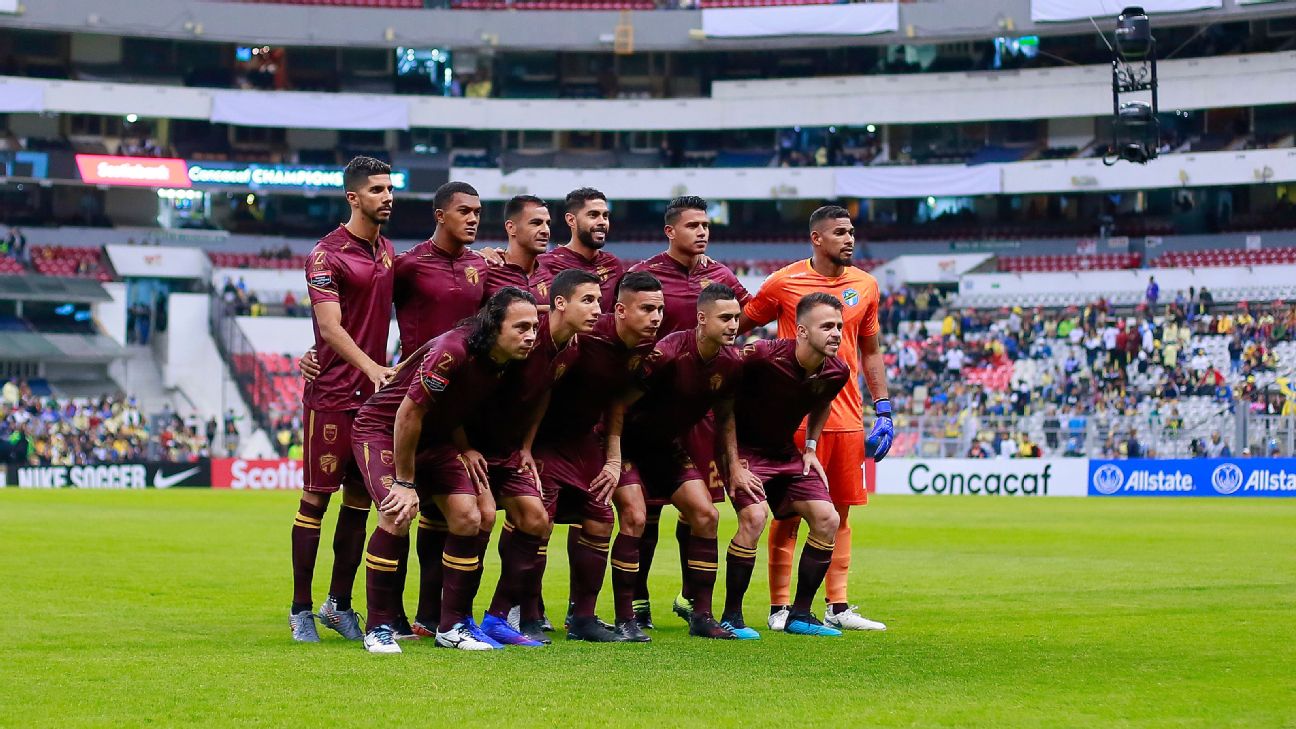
388	481
560	371
625	467
386	259
543	288
386	458
633	363
471	274
705	282
603	272
330	433
328	463
716	382
434	382
850	297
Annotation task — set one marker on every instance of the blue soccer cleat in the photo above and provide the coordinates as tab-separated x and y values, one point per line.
480	635
345	622
808	624
303	627
736	625
501	632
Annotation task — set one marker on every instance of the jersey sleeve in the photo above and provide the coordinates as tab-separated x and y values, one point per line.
763	308
322	277
744	296
869	323
436	371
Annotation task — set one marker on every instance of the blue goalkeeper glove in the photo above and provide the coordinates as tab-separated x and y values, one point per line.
878	443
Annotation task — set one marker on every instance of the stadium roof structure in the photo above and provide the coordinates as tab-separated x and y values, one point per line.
52	288
82	348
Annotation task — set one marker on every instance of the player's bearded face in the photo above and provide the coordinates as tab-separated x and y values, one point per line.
690	233
460	218
720	322
374	199
518	331
592	224
836	238
642	312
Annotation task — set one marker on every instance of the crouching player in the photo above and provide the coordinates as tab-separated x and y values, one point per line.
408	428
784	381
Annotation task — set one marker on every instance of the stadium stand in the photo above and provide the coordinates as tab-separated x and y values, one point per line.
53	260
1098	262
1226	257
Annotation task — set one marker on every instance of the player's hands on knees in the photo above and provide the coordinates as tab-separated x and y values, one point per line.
527	464
744	481
878	442
401	504
380	375
309	365
606	481
475	462
810	462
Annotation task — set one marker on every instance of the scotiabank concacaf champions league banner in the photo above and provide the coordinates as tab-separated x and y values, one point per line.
1194	477
127	475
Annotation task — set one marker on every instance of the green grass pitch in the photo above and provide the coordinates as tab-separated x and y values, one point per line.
169	609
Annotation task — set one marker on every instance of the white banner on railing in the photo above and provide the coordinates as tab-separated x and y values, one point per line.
984	476
1059	10
851	19
919	181
309	111
17	96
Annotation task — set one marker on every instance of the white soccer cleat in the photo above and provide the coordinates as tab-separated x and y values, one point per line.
461	638
848	619
778	618
381	640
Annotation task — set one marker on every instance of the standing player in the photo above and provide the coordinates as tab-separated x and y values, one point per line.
410	428
590	219
526	223
842	449
785	381
503	430
580	473
349	275
684	271
687	374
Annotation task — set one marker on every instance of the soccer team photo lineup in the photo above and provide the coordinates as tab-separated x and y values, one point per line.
556	387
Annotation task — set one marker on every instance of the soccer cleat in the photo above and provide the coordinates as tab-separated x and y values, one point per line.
480	634
545	625
534	629
683	607
848	619
632	632
498	630
422	630
345	622
381	640
514	618
736	625
778	617
402	630
808	624
461	637
705	626
643	613
593	630
303	627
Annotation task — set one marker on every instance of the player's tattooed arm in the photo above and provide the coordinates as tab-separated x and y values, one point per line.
473	460
328	315
606	481
814	428
740	479
402	503
874	366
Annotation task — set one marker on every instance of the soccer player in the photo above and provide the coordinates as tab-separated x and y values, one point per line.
349	277
590	219
785	381
843	447
404	436
526	223
504	430
687	374
684	271
581	473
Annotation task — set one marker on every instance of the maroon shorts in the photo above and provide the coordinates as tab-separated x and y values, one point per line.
377	466
660	471
566	470
509	480
783	482
441	471
700	444
327	456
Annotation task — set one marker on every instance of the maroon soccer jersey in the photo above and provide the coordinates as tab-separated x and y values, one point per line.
605	265
679	389
776	394
604	370
449	382
509	274
434	291
500	426
681	287
347	270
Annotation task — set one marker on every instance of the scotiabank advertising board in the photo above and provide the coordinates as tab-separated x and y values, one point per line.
257	474
983	476
102	169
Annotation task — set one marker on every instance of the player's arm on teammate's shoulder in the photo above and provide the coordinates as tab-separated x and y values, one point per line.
402	502
473	459
740	479
328	315
878	442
